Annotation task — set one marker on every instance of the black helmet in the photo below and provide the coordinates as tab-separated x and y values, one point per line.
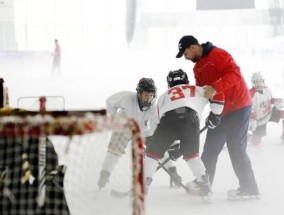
148	85
177	77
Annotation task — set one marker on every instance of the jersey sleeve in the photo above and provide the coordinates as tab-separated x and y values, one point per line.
113	103
159	105
153	124
217	103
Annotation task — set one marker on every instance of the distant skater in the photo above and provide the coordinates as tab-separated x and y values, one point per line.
56	67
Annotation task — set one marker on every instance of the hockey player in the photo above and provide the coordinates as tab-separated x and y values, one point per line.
265	108
179	112
141	106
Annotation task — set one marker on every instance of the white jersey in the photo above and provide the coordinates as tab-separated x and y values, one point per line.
127	102
261	105
188	96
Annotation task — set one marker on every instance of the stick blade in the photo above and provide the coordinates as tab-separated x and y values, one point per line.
119	194
206	199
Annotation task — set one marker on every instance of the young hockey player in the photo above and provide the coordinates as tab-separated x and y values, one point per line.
265	108
141	106
179	112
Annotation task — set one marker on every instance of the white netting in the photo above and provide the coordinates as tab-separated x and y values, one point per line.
55	103
78	141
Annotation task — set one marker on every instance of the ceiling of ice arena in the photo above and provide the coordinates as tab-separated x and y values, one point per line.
132	33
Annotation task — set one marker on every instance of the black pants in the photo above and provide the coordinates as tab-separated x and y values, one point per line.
180	124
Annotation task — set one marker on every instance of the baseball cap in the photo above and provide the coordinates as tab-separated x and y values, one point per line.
185	42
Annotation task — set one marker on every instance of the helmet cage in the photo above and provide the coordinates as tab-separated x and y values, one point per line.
257	80
177	77
146	85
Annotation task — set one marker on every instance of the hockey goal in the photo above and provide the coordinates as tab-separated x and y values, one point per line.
50	163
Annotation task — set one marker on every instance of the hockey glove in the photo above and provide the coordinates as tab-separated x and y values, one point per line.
174	151
278	103
275	115
213	120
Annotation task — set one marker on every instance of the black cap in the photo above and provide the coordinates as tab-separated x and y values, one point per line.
185	42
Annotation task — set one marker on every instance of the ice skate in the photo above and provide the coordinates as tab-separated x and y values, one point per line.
176	179
193	187
104	179
204	185
205	188
241	194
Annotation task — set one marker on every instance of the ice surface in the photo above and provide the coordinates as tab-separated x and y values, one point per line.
85	82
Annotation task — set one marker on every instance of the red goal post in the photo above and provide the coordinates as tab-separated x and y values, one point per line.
66	131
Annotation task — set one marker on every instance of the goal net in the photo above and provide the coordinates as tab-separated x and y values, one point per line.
50	163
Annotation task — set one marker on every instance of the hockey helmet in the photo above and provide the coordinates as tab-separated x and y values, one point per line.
257	81
146	85
177	77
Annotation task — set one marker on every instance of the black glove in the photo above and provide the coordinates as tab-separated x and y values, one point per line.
213	120
174	151
275	115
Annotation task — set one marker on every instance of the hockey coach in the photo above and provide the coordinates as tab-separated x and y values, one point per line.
216	71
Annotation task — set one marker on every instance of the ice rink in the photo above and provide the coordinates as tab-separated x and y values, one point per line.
267	161
85	82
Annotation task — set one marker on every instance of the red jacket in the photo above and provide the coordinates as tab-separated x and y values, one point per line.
217	68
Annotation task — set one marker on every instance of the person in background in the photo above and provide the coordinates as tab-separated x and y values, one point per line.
216	71
265	108
56	65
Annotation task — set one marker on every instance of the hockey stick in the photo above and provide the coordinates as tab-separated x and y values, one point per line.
119	194
173	176
161	165
122	194
203	129
167	160
206	199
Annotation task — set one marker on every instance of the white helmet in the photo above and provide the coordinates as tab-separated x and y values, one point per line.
257	81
